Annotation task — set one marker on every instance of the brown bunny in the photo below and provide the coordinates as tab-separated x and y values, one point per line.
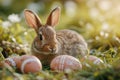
50	43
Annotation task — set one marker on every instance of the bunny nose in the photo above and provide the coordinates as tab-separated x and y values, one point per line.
53	50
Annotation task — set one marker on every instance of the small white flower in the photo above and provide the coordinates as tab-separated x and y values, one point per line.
94	12
14	18
88	26
106	35
70	8
105	26
6	24
102	33
97	37
105	5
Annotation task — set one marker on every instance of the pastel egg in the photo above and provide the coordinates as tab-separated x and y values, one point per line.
92	59
65	62
29	64
13	61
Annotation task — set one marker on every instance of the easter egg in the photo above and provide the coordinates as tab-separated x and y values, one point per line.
92	59
65	62
13	61
29	64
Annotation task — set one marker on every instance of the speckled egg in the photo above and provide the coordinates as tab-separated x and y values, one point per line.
65	62
29	64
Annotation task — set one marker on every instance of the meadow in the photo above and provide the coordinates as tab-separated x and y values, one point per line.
97	21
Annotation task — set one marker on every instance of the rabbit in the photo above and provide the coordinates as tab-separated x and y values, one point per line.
50	43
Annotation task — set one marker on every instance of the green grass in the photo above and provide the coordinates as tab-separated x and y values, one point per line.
105	48
102	34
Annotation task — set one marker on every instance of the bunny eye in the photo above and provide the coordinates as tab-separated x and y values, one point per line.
40	36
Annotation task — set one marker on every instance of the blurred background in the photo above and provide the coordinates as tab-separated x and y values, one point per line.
97	20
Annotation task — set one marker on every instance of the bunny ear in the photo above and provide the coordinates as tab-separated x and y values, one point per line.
54	17
32	19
